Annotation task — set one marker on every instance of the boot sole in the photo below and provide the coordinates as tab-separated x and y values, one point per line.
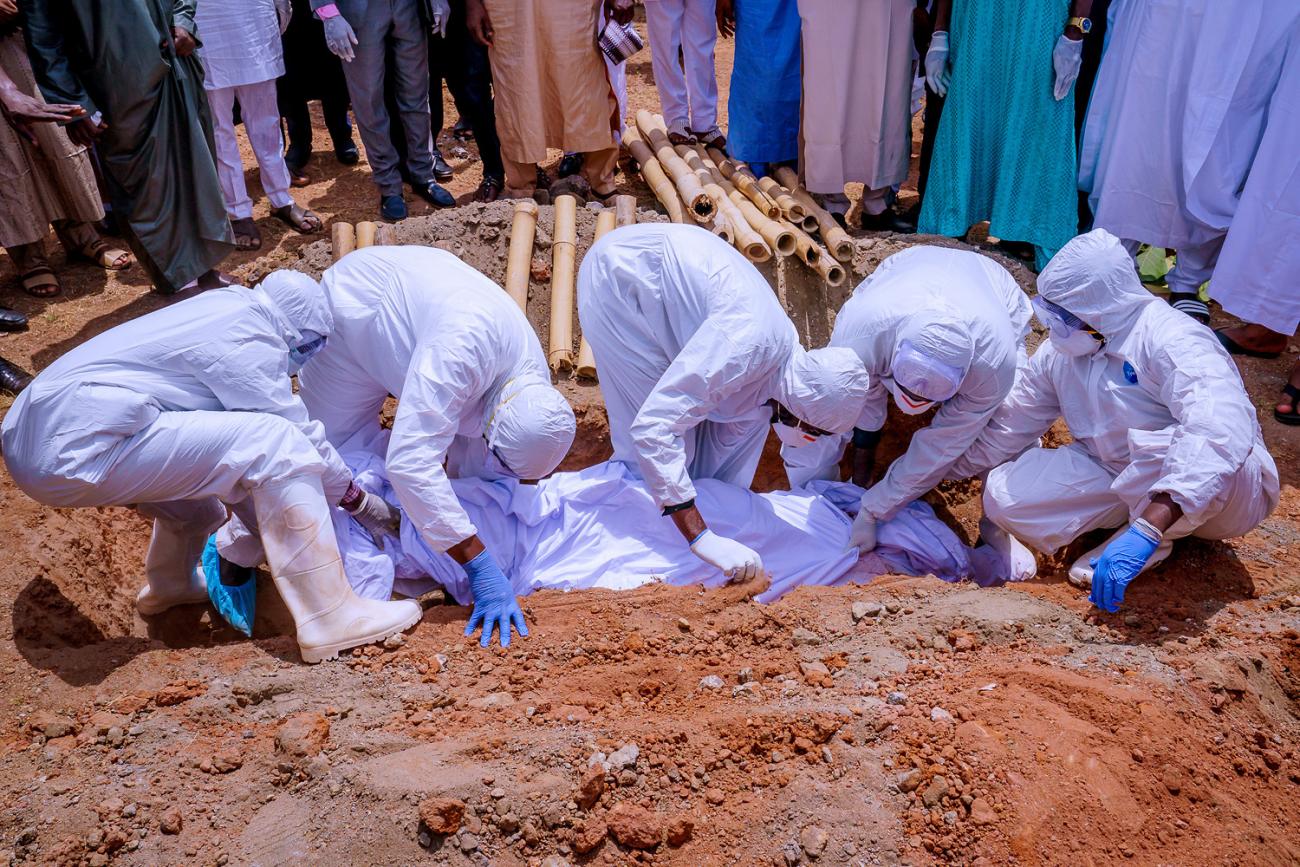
150	610
313	655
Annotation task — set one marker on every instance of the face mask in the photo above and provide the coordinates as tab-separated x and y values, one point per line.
791	436
301	354
1076	344
905	403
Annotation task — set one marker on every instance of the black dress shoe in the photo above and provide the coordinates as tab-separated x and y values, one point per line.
12	320
489	190
346	153
887	220
435	194
13	378
570	165
441	171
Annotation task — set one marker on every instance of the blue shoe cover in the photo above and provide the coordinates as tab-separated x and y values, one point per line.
237	604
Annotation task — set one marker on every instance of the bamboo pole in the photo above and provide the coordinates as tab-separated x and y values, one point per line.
790	209
519	259
605	221
837	240
699	204
365	234
384	234
343	239
654	176
625	210
745	181
777	236
744	237
563	250
815	256
721	227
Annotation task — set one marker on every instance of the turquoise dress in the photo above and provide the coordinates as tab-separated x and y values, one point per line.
1005	149
763	106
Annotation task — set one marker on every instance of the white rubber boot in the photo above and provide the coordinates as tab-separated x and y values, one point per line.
1080	574
173	574
303	554
1018	561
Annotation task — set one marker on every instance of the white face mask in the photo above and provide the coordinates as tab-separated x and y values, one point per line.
791	437
905	403
1076	344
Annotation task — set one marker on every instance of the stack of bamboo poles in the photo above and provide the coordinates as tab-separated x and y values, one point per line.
762	217
345	237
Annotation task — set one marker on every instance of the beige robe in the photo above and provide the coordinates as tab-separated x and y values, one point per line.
39	186
857	91
549	79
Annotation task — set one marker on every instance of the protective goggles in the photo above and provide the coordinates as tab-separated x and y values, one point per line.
1056	318
781	415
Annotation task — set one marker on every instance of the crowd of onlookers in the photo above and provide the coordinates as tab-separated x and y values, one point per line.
1175	135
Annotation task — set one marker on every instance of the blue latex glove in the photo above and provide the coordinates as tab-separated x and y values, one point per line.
236	604
1119	564
495	606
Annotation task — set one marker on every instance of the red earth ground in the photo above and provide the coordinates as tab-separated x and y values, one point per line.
936	723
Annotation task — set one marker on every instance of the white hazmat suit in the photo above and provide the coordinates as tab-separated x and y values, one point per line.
1160	408
958	310
184	411
467	370
692	344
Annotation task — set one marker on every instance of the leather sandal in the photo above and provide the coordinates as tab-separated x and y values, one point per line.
247	235
40	282
106	256
298	218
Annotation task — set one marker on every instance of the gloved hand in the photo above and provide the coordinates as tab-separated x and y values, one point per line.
937	74
379	518
863	534
1119	564
439	13
736	561
495	606
339	38
1067	57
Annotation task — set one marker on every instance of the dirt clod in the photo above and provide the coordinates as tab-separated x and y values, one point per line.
635	827
442	815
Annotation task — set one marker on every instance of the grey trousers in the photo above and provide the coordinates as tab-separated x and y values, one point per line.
379	25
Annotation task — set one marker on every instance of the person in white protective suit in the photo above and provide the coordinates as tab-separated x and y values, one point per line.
473	393
1166	443
932	325
696	360
190	409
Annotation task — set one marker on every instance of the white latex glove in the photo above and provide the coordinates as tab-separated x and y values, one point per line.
340	38
863	534
283	12
439	12
937	74
379	518
735	560
1067	57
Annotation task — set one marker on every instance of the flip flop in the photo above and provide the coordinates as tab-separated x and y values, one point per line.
296	216
247	236
1237	349
1293	417
40	282
106	256
1192	306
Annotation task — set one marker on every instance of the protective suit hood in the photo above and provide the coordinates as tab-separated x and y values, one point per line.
932	353
1093	277
530	427
825	387
301	301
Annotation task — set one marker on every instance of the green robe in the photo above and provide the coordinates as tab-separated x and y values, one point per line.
157	153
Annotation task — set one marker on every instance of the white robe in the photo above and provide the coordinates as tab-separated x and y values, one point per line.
1176	115
240	42
857	88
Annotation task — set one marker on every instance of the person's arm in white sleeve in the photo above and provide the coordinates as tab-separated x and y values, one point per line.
254	377
1216	423
708	368
932	451
1019	422
445	377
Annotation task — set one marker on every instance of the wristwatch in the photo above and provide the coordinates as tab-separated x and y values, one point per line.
1084	24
